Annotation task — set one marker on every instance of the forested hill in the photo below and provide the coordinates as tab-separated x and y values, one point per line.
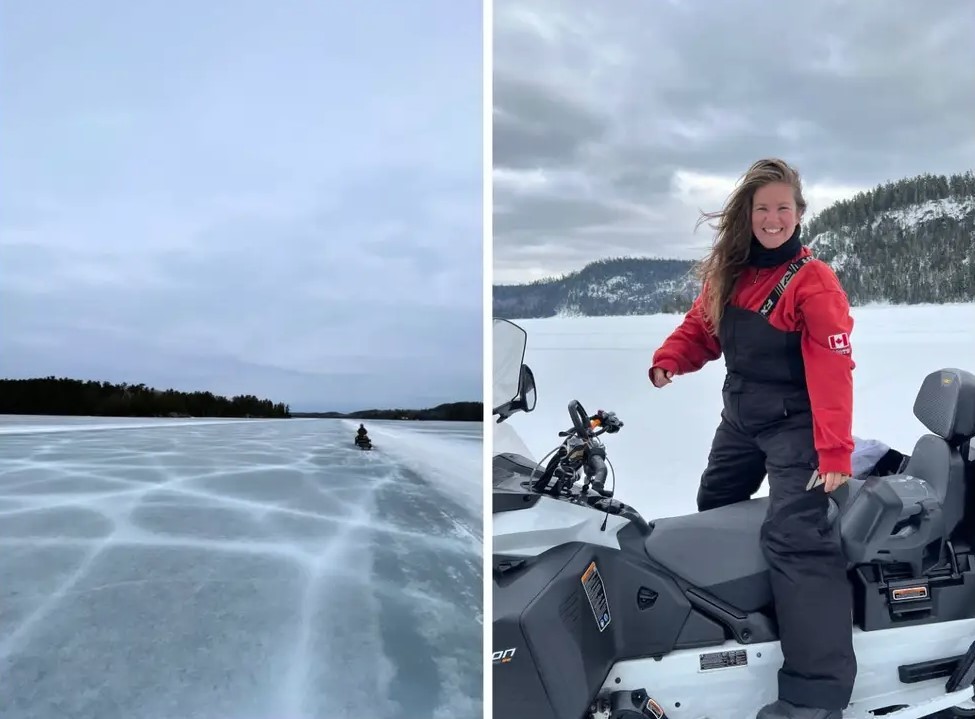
911	241
619	286
907	242
72	397
448	412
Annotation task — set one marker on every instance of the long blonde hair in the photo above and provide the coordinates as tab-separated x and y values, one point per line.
723	265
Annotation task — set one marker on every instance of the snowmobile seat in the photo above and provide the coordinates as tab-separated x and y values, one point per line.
717	551
906	518
898	518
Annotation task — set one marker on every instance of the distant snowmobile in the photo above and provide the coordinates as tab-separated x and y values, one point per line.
362	440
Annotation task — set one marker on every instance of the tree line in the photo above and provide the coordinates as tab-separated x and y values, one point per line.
448	412
73	397
68	397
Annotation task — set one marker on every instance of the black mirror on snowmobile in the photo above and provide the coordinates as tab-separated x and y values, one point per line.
526	389
524	401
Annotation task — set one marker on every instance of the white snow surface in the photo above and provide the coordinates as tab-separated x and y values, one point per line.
238	569
663	447
913	215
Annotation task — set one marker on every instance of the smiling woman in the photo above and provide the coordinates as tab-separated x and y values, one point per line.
782	322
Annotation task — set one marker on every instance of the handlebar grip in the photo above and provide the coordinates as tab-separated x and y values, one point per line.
598	466
580	418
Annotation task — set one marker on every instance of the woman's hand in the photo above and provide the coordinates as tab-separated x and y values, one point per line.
832	480
660	377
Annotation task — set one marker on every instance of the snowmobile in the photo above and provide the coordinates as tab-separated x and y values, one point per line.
363	442
601	614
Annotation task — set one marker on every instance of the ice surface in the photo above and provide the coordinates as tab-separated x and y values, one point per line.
662	449
238	570
449	462
29	424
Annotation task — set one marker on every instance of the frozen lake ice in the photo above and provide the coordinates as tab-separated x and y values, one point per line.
182	569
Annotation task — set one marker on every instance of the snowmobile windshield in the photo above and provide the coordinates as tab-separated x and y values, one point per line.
509	353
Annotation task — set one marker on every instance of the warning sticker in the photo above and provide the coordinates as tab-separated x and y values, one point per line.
593	584
724	660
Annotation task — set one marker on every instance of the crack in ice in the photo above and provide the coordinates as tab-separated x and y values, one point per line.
295	494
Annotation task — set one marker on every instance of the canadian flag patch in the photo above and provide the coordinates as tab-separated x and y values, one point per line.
840	342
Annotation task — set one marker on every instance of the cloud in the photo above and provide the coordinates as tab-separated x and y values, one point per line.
280	201
634	117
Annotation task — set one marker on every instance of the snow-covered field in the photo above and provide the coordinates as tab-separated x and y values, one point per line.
182	569
662	449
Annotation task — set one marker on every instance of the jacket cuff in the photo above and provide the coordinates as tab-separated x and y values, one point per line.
835	461
667	365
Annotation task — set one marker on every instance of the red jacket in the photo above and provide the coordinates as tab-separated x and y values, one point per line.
814	304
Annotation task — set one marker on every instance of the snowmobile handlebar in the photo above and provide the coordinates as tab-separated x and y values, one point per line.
580	451
583	423
580	418
582	455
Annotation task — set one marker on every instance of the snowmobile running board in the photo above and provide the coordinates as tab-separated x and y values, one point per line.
932	706
958	690
641	705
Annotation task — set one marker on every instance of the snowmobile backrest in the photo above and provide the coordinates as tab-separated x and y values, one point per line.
968	522
945	404
896	519
943	468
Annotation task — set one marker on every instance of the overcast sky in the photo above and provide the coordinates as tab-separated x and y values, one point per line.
279	198
616	122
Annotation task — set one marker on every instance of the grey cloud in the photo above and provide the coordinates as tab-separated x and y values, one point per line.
361	349
308	298
855	93
107	355
263	206
534	124
553	214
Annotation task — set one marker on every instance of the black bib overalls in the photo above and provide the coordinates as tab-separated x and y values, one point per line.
766	427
